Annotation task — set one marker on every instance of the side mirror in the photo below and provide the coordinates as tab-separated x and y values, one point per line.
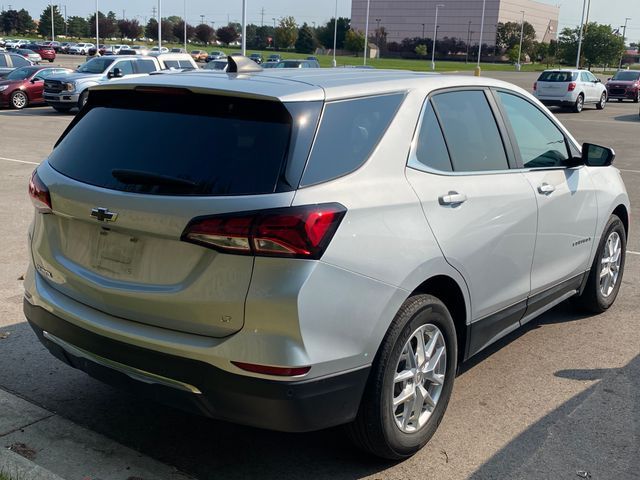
597	156
115	73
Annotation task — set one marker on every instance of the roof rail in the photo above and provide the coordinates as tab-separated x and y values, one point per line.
242	64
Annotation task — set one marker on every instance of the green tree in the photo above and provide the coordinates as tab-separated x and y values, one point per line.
129	29
78	27
106	24
421	50
151	29
306	42
178	31
287	32
44	27
324	34
226	34
600	45
263	37
354	41
16	21
508	36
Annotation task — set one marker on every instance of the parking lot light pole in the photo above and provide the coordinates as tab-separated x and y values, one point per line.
435	34
518	65
477	71
584	5
97	30
184	20
53	31
244	27
366	32
624	35
159	26
335	35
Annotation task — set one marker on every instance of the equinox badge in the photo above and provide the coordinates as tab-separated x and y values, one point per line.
103	214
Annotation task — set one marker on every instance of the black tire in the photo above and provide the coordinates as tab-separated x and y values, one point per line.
579	105
18	100
83	99
636	99
603	102
51	60
374	429
62	109
592	299
619	100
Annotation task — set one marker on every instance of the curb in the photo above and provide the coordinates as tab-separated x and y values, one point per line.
16	467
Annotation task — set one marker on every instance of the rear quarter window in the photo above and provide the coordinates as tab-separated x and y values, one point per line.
348	133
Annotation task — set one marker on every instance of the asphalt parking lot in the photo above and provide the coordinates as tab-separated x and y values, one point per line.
555	400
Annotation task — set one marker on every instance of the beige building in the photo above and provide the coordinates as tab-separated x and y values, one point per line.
457	18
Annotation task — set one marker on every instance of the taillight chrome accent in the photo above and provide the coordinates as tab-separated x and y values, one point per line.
296	232
39	194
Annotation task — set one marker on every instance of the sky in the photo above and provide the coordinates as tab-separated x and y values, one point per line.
611	12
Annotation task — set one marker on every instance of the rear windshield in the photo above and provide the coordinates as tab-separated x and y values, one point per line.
237	148
558	77
626	76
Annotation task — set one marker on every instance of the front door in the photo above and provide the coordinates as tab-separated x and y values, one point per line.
567	208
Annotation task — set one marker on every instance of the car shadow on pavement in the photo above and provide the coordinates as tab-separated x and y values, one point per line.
627	118
35	111
595	434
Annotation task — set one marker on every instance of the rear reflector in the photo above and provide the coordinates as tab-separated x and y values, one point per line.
277	371
297	232
39	194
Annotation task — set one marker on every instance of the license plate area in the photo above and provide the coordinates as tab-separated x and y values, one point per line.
116	253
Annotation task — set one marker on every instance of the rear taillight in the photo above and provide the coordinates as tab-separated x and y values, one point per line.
39	194
535	86
571	87
297	232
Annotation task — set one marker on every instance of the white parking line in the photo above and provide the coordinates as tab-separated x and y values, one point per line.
632	252
629	171
19	161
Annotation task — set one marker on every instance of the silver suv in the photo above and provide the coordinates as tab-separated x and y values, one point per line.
352	239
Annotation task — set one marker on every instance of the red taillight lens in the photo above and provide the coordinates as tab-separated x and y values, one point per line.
535	86
571	87
39	194
269	370
298	232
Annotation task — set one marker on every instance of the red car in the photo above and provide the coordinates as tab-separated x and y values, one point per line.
24	85
46	52
625	84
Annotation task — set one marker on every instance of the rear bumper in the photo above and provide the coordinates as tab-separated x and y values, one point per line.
292	406
556	103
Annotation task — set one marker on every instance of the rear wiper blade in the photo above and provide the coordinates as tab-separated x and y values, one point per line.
140	177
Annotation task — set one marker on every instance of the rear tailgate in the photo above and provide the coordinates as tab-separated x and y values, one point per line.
113	240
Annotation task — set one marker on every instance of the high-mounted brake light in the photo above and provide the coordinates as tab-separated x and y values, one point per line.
269	370
297	232
39	194
571	87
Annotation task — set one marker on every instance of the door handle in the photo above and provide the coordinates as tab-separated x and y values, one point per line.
546	189
452	198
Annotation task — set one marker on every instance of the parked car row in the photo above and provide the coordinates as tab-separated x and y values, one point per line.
25	85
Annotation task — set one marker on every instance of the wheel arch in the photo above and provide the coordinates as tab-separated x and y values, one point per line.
448	290
621	212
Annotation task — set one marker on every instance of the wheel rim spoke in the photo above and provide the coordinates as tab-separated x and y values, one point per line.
419	378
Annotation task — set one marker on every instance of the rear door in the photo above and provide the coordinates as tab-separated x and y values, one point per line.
120	208
483	214
567	207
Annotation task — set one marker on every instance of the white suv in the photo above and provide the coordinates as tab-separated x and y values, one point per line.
570	88
81	48
396	225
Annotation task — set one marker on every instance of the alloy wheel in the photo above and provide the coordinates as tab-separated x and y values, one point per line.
19	100
610	264
419	378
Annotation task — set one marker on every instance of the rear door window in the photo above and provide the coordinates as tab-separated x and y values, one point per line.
145	66
249	157
470	130
348	133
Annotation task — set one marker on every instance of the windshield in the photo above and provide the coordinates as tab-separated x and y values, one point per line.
626	76
22	73
95	65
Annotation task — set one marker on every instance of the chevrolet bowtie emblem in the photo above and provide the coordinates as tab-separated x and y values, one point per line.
103	214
